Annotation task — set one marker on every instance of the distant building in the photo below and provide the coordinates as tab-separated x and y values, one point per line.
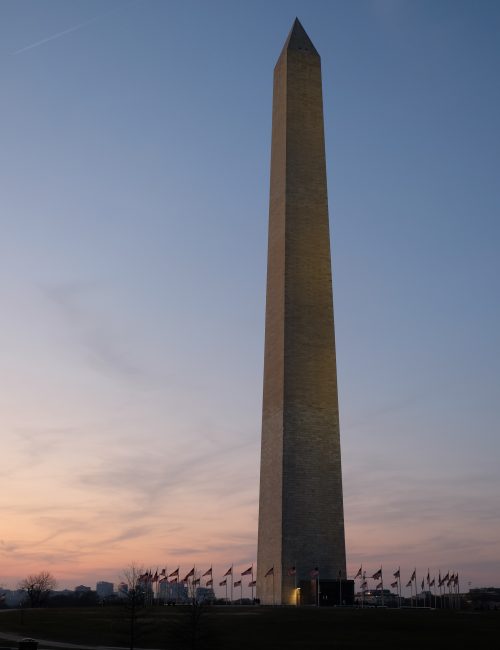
376	598
61	592
485	598
176	592
13	598
122	589
104	589
82	589
204	595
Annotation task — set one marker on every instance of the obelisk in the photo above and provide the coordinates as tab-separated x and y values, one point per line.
301	518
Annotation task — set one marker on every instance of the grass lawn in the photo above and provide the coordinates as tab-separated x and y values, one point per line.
277	628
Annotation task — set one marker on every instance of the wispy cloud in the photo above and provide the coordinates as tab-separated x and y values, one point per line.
151	478
103	350
41	442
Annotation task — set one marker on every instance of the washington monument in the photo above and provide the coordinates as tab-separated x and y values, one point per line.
301	517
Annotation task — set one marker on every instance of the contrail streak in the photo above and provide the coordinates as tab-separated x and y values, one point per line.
67	31
54	36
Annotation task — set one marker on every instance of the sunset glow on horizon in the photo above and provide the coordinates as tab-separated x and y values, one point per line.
135	180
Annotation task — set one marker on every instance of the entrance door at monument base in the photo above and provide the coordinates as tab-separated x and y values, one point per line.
332	593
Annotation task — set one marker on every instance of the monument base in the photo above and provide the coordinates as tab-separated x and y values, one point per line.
331	593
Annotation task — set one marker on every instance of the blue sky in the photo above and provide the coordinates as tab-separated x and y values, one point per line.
134	175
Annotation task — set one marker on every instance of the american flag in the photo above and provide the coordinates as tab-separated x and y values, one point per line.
229	572
377	575
292	571
359	573
223	583
174	573
237	583
270	572
248	572
253	583
315	572
207	573
191	573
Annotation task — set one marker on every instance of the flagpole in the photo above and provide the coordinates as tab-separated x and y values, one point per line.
253	602
382	583
232	583
340	587
274	596
362	591
399	582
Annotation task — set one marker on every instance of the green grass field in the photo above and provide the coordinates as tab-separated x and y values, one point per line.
255	628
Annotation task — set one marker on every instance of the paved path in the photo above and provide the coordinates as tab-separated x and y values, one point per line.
64	646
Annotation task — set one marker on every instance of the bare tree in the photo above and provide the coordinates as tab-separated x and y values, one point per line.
133	577
38	587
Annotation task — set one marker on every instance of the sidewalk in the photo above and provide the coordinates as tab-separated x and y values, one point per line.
61	645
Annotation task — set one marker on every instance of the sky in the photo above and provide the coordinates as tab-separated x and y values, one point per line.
134	176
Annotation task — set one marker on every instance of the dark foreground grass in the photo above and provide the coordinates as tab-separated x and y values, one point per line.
255	628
